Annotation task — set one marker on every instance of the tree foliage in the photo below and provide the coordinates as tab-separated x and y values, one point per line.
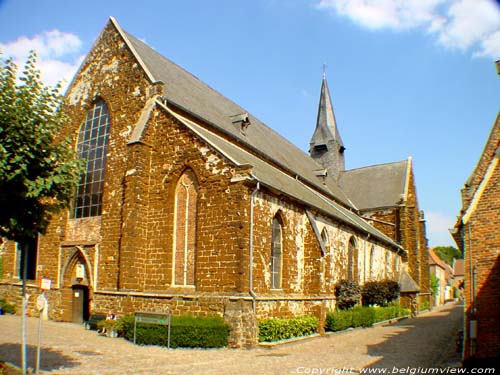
447	253
435	284
38	168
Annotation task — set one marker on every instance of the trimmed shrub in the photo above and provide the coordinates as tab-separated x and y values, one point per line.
347	293
186	332
379	293
6	307
282	329
339	320
362	316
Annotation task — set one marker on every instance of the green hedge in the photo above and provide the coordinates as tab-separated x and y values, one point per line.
6	307
186	332
339	320
282	329
362	316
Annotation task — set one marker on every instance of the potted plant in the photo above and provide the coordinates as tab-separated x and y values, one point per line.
109	327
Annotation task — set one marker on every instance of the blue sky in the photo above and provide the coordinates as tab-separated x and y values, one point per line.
408	78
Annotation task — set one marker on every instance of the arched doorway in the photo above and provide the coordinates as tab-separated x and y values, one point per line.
80	303
76	287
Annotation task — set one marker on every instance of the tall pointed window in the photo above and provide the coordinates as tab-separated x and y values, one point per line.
325	239
387	263
92	146
372	262
276	252
352	264
186	197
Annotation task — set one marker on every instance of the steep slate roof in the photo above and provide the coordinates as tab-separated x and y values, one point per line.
376	186
407	284
326	125
278	180
187	92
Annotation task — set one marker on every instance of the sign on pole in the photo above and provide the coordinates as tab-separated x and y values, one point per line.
162	319
45	283
41	304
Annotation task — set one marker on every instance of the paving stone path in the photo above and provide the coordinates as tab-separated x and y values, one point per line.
427	341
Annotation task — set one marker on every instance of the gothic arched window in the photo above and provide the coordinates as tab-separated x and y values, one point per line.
325	239
186	199
372	262
352	263
276	252
387	263
92	146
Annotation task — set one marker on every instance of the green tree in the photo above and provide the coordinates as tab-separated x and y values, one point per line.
435	285
38	168
447	253
38	171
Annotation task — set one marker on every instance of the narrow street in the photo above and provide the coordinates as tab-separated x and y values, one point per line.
427	341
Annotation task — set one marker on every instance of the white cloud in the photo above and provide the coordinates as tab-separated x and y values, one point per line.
458	24
57	54
377	14
438	226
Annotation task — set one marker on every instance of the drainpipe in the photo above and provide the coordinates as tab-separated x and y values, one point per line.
250	280
471	270
364	258
472	322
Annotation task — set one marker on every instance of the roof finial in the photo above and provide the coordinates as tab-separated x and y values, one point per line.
324	70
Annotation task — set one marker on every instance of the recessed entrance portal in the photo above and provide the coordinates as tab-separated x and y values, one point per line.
80	303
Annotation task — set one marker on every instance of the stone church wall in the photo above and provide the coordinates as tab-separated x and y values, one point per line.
125	256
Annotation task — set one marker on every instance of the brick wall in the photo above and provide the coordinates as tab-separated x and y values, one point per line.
483	298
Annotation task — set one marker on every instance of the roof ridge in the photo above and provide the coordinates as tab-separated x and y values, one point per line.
125	36
377	165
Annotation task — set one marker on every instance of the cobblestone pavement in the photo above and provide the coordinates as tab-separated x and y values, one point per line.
426	341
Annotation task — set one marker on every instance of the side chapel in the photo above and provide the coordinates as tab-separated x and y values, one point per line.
190	204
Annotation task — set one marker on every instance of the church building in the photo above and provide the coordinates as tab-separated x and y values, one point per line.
189	204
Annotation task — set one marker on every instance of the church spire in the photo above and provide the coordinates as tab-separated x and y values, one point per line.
326	146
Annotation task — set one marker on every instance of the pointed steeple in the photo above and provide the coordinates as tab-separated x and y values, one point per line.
326	145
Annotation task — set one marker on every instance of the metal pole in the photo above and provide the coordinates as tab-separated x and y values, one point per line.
135	327
168	339
39	342
24	254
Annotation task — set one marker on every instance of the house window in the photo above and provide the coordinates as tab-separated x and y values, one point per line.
276	253
186	198
352	263
92	146
28	255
